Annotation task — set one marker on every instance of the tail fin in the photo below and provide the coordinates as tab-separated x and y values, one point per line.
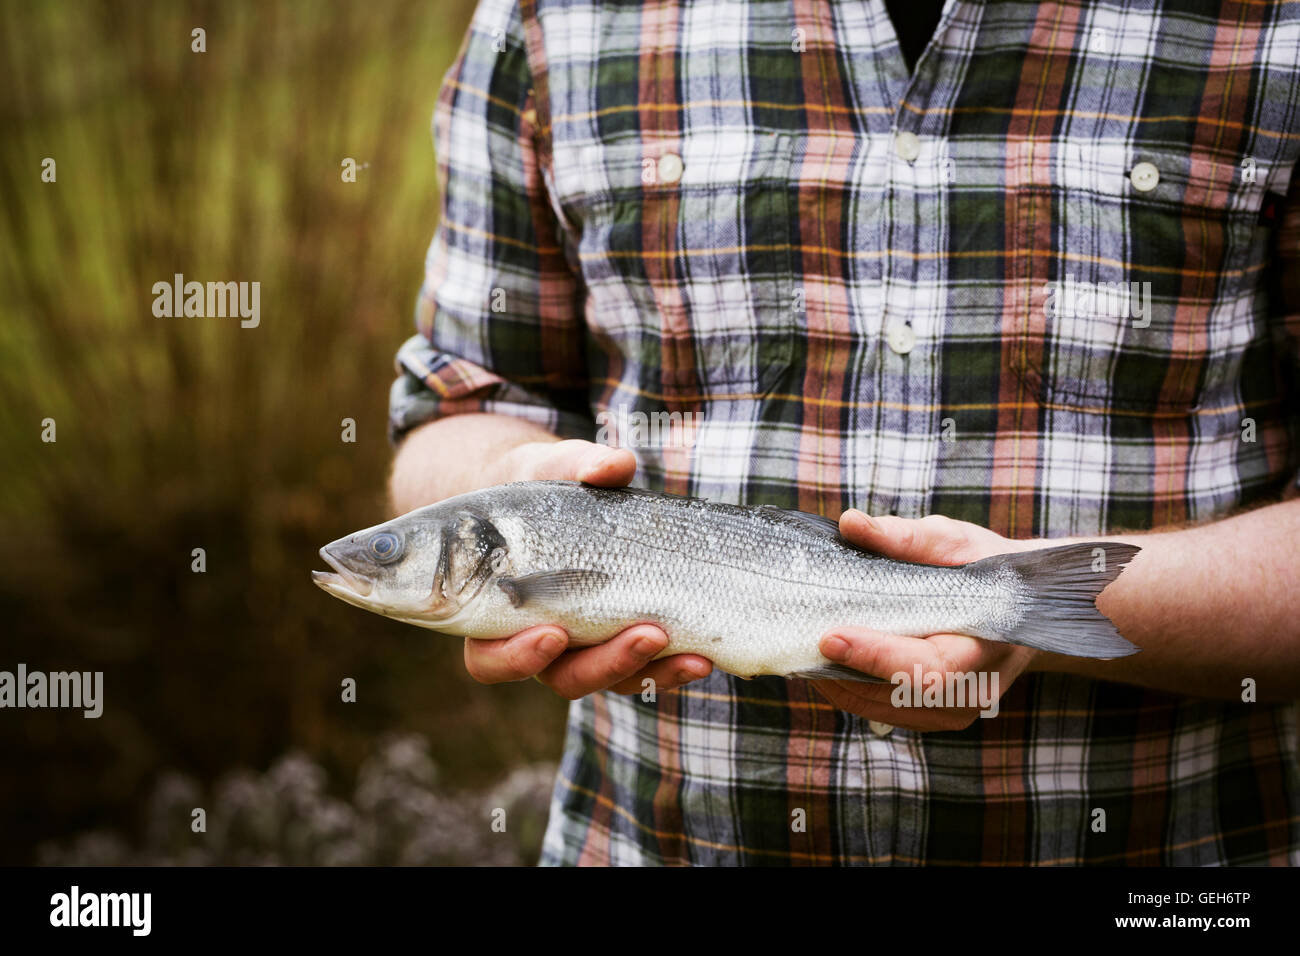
1063	584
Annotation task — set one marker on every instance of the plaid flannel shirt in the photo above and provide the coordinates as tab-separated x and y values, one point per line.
1049	283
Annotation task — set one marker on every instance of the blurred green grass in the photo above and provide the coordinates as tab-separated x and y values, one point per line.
182	433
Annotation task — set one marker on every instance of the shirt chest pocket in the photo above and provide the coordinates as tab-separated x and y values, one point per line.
1129	265
684	245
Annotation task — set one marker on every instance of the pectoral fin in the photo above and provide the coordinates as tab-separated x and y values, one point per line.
549	587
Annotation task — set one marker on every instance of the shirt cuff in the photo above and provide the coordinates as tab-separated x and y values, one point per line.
432	384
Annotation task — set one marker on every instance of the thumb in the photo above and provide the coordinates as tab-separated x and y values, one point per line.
578	460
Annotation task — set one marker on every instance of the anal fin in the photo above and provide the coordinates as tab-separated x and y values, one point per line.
831	671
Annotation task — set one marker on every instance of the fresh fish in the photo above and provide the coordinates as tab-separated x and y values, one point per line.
752	589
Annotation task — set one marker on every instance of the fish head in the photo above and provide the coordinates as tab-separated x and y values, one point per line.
423	568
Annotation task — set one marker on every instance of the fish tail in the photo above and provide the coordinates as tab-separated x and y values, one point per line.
1063	584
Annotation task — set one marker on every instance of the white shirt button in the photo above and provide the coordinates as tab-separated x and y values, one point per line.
907	145
901	338
670	168
879	728
1144	176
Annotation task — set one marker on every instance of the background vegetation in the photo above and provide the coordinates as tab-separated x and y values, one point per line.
182	433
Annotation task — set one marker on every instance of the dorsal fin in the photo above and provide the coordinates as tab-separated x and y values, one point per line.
818	523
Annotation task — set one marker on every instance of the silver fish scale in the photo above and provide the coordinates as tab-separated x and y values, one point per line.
752	589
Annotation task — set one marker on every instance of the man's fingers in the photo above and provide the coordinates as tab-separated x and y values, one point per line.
514	658
667	674
858	699
931	540
621	664
961	653
884	655
878	654
846	696
595	668
578	460
608	467
870	533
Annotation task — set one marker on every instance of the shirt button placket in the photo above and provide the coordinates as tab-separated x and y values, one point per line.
898	278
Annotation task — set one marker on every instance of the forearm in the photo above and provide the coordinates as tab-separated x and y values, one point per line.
1209	606
460	453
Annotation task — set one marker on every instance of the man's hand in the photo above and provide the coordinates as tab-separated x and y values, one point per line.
1213	606
621	663
932	540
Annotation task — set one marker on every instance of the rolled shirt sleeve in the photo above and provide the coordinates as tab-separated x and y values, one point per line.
499	312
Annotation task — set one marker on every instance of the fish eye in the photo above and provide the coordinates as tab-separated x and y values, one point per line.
385	546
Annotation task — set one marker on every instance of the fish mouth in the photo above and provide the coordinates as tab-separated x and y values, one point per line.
340	580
